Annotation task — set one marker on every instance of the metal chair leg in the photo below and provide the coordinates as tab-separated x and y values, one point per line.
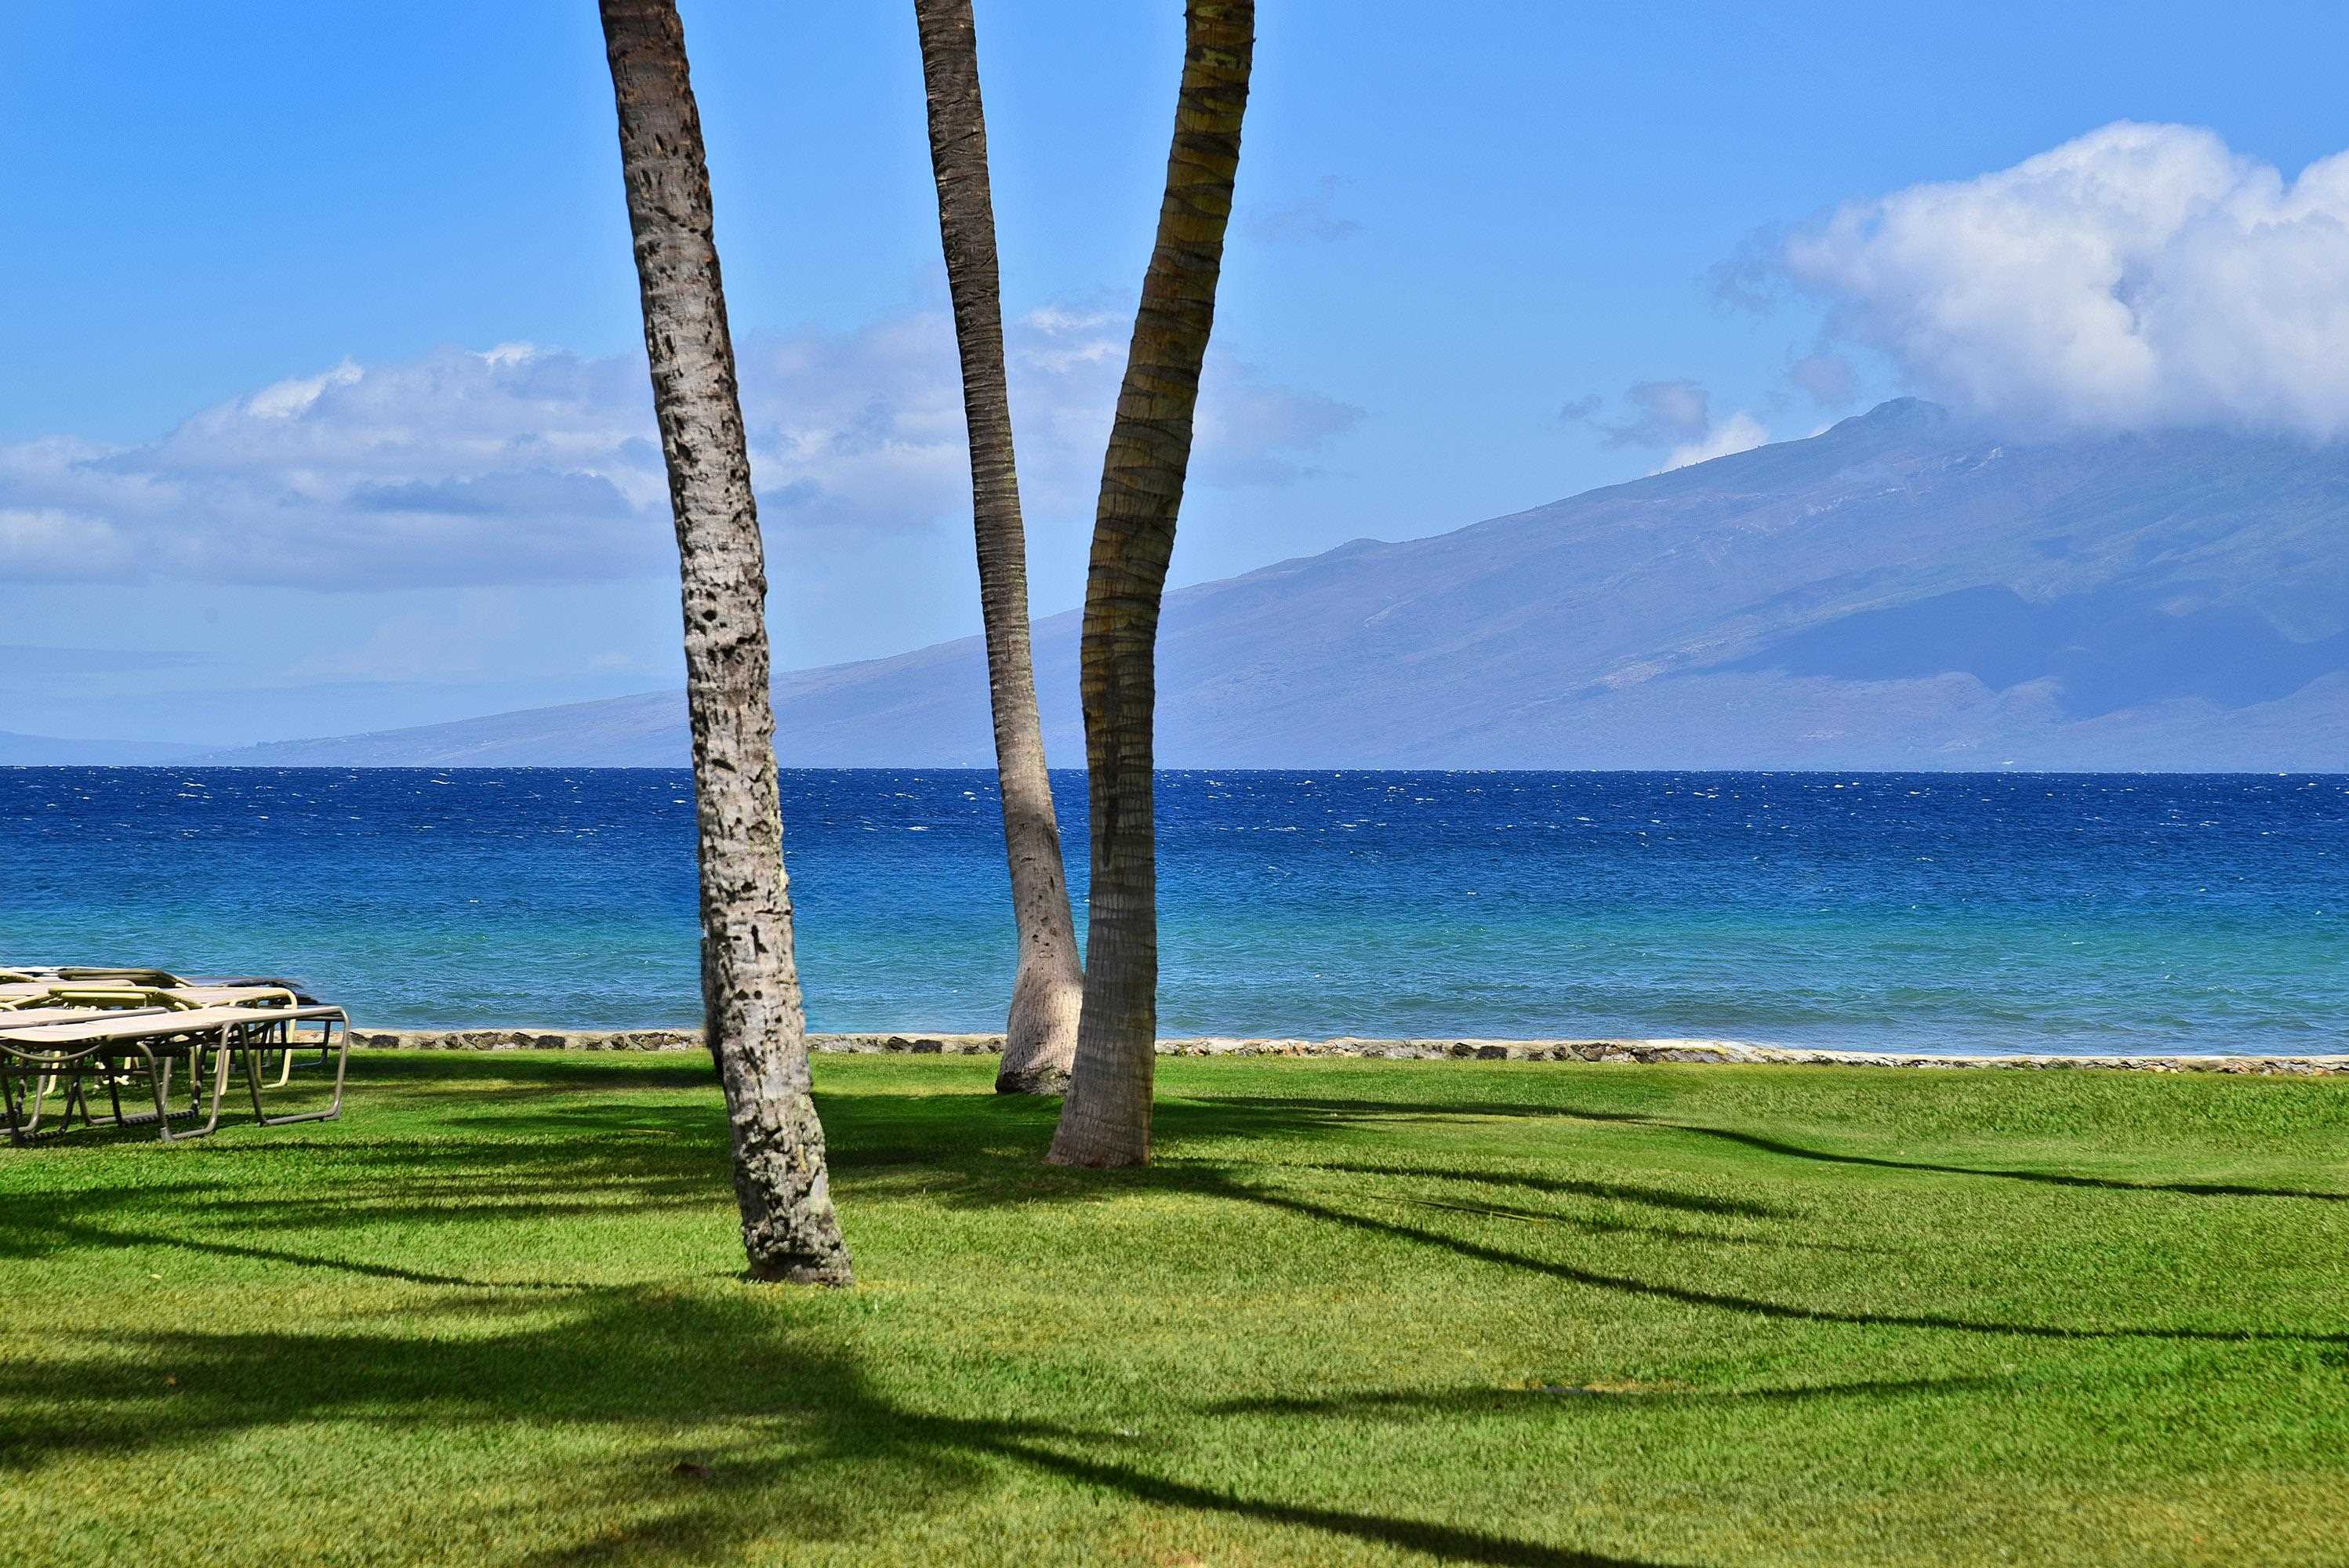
220	1086
334	1108
76	1098
10	1098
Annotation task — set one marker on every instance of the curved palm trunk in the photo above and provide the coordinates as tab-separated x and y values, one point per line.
749	988
1106	1119
1041	1037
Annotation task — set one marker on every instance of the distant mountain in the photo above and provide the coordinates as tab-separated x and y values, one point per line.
645	731
48	751
1901	590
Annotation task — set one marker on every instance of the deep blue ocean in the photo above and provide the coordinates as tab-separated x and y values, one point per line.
1931	912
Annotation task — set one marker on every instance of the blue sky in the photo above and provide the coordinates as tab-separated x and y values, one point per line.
274	269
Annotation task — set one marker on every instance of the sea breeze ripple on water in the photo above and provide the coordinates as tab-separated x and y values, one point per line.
1931	912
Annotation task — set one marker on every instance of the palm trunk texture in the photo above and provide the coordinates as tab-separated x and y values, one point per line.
1041	1036
1106	1119
749	986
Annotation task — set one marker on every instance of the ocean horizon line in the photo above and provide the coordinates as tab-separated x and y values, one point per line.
987	769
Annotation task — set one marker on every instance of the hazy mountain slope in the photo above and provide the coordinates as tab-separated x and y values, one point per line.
49	751
645	731
1900	590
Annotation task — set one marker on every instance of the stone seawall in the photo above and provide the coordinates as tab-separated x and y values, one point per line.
1558	1051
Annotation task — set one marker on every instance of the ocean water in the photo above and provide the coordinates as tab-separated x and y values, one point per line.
2070	912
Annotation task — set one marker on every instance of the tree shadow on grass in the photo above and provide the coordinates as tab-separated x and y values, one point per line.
824	1456
430	1071
1333	1114
518	1159
36	1234
1609	1227
1692	1297
920	1119
1213	1181
338	1203
931	1137
1614	1192
263	1186
2045	1178
1546	1401
1602	1191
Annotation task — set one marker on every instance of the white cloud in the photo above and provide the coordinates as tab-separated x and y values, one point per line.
2140	275
1827	377
1053	320
287	398
47	544
1665	412
450	470
1675	414
525	464
1741	432
867	429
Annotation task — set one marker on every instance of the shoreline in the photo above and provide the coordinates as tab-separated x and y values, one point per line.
1426	1049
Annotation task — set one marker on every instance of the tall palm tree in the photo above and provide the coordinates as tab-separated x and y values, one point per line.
1106	1118
749	986
1040	1036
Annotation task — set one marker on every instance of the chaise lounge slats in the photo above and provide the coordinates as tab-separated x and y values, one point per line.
112	994
30	1017
116	1034
141	1025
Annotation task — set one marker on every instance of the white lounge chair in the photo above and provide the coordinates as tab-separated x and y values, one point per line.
41	1048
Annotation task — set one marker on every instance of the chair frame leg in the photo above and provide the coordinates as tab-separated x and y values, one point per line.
221	1056
35	1093
342	1064
18	1133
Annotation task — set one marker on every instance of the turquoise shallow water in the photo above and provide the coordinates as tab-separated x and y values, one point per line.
1966	913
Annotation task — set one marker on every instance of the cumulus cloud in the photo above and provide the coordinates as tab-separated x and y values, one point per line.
454	468
864	431
1675	416
1827	377
1253	431
42	544
1664	413
522	465
2141	276
1741	432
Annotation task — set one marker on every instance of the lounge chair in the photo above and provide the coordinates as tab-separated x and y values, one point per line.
106	995
74	1045
131	974
114	995
34	1087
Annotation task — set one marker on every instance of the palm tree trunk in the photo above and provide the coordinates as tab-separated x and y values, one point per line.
1041	1037
750	987
1106	1118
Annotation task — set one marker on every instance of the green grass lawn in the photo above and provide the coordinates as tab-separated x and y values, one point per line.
1360	1312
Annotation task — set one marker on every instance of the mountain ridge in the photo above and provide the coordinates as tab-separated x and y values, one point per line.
1905	589
18	750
